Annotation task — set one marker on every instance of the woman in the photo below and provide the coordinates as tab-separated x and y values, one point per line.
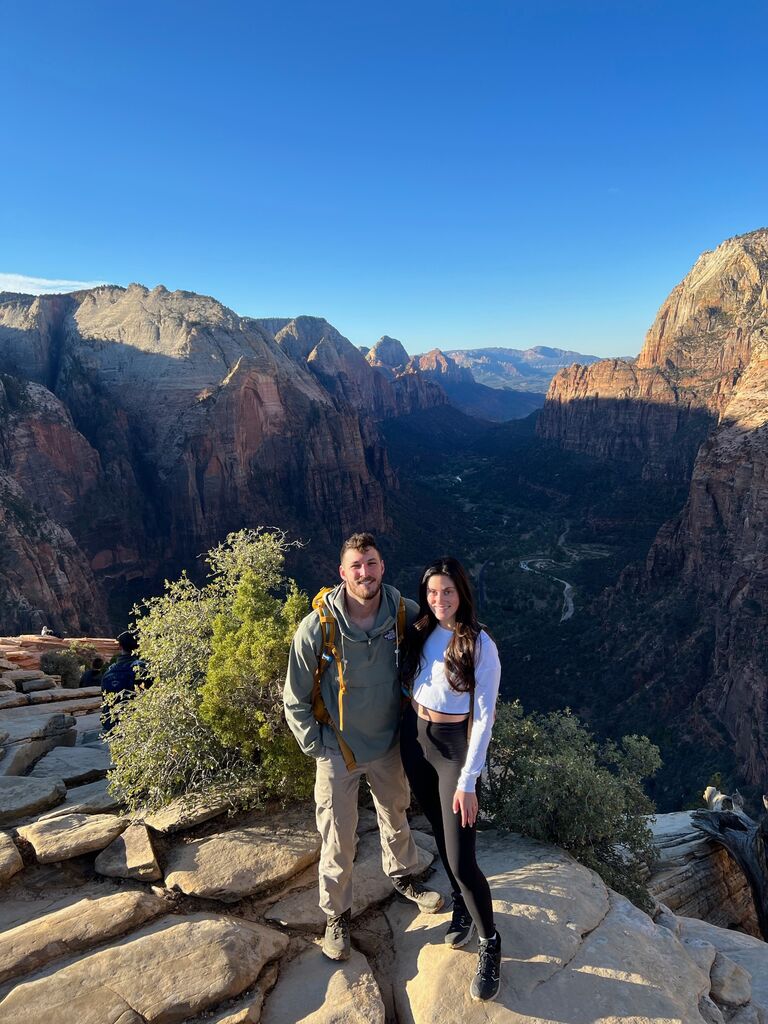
451	673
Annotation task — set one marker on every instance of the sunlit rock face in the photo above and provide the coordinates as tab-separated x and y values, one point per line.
656	410
693	407
161	420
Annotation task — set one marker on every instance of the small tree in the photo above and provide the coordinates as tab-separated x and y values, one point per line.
550	780
212	724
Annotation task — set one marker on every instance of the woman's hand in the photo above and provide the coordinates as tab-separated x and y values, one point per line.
467	804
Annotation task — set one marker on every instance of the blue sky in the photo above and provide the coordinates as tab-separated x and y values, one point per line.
453	174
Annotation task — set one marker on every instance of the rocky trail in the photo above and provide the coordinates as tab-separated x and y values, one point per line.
188	915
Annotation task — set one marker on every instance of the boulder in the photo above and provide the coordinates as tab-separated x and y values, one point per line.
7	685
74	765
315	990
162	974
71	835
749	952
572	950
88	923
370	887
130	856
10	858
92	798
21	796
243	861
730	982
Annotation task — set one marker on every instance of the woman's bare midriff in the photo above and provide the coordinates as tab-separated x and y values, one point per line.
435	716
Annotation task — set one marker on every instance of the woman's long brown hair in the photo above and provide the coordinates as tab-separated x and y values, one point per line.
460	653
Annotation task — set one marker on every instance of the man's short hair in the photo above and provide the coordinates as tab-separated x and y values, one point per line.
128	641
359	542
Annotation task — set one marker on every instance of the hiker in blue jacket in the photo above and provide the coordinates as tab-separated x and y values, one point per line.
123	677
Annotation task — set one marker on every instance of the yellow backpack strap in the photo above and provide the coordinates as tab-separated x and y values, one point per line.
328	652
401	621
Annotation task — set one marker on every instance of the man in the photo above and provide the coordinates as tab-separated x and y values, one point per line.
361	716
123	677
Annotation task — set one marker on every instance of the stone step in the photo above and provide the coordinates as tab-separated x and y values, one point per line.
349	989
75	765
371	887
244	861
91	798
168	971
71	835
21	796
86	924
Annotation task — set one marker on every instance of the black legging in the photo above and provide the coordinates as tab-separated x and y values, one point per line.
433	754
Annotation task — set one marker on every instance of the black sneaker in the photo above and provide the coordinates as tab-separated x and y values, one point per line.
427	900
336	945
462	926
485	984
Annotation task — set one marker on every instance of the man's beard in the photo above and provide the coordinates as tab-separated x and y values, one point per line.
356	589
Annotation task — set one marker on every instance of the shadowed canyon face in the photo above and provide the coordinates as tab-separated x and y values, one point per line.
151	423
694	406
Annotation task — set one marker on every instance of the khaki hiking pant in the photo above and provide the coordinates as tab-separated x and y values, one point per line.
336	812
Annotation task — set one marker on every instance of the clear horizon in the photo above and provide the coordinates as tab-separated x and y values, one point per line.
501	176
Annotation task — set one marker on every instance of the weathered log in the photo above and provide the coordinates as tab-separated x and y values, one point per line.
726	823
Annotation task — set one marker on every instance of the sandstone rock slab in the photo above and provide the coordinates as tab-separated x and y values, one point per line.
33	685
162	974
130	856
12	699
87	923
23	675
73	764
71	835
21	796
231	865
10	858
572	951
184	813
370	887
92	798
315	990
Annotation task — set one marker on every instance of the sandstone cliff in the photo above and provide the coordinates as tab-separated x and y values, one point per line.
45	579
693	406
162	420
655	411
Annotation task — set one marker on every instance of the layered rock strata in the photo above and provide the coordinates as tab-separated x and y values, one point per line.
144	425
694	407
656	410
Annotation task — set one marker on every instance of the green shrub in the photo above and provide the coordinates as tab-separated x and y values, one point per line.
550	780
211	724
62	663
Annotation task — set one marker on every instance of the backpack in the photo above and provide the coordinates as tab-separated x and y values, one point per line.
121	675
328	653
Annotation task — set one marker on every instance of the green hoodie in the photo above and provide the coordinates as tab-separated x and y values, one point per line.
372	699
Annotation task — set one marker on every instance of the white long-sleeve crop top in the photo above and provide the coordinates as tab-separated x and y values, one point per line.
432	690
